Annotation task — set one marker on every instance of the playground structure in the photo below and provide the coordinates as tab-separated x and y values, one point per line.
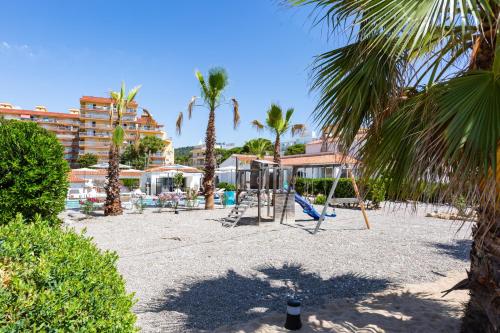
265	182
265	179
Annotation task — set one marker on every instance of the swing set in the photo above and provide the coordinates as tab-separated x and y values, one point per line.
330	199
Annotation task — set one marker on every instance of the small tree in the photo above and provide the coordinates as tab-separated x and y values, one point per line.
296	149
87	160
132	156
278	125
150	145
33	172
178	180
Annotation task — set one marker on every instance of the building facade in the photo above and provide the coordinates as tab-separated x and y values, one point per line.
88	129
197	158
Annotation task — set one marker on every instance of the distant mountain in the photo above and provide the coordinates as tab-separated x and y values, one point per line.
182	154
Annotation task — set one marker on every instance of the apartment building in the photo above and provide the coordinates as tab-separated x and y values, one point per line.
64	125
197	159
88	129
96	129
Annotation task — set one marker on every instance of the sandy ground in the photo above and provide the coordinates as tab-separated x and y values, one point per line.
412	308
190	274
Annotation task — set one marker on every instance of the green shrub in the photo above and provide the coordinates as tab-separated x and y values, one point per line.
87	160
33	172
226	186
376	191
131	183
320	199
52	280
316	186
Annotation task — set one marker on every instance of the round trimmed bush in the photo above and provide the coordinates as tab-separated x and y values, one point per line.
54	280
33	172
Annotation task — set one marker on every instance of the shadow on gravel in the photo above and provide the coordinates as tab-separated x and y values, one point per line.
459	249
236	298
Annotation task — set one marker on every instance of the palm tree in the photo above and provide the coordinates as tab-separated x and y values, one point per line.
211	95
424	77
278	125
119	105
258	147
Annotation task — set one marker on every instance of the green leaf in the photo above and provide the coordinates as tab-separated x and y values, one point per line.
118	135
496	61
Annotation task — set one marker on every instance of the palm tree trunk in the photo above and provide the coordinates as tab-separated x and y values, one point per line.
482	313
208	180
483	310
113	205
277	148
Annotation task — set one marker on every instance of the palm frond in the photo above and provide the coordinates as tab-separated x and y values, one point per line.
205	91
257	125
446	134
298	129
217	79
132	93
236	112
274	119
356	84
402	26
118	135
178	123
190	106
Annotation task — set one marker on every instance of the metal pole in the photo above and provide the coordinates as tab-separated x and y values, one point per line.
330	196
237	180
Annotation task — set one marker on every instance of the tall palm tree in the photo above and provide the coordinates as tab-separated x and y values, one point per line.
424	76
278	125
211	95
121	101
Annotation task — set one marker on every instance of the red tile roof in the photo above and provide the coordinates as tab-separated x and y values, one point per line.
75	179
39	113
249	158
317	159
304	159
103	100
103	172
145	120
166	168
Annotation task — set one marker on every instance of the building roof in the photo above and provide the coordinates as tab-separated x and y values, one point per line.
249	158
103	100
102	172
75	179
39	113
317	159
174	167
148	120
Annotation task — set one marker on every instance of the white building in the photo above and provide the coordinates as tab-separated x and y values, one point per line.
161	179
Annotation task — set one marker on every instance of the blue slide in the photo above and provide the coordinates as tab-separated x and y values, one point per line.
308	208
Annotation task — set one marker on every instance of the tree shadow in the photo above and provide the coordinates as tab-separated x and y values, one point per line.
459	249
234	298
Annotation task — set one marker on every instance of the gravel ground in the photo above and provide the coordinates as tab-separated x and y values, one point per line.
189	273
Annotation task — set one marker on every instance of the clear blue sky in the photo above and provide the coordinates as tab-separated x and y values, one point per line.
53	52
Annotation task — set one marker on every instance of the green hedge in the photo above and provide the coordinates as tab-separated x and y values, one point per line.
58	281
226	186
33	172
323	185
374	190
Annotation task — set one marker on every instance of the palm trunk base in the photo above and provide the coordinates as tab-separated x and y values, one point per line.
475	320
209	201
482	313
